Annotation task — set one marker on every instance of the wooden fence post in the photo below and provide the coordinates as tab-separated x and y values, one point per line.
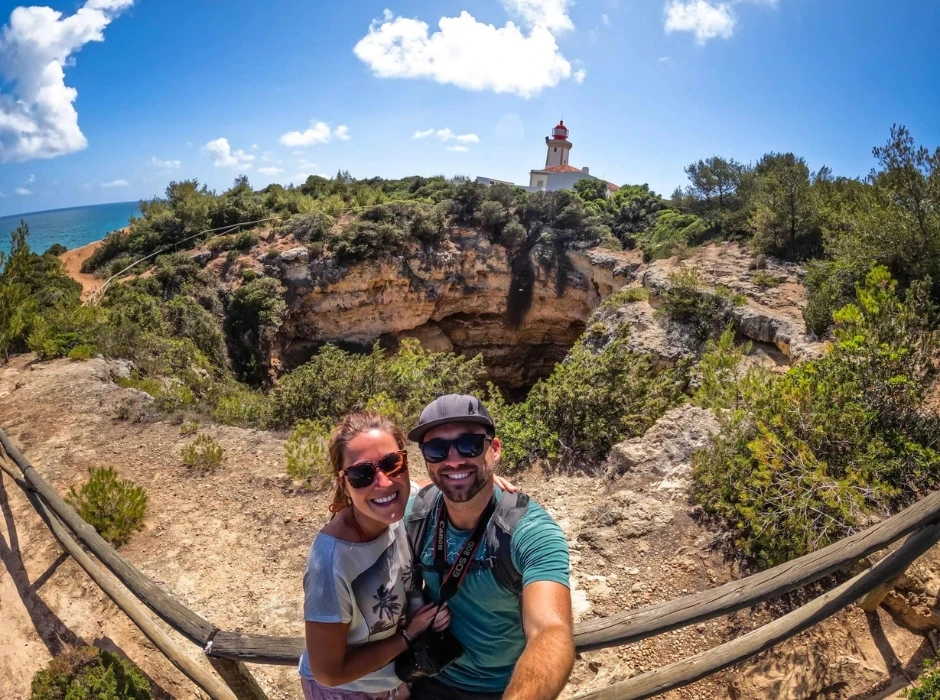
237	676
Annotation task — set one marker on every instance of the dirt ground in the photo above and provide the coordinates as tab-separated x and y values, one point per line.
73	259
232	546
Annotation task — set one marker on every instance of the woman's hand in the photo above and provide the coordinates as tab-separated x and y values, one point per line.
503	484
422	619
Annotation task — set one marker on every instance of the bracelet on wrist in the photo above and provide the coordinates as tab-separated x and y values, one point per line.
407	637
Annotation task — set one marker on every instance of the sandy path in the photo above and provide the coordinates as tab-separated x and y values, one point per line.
73	260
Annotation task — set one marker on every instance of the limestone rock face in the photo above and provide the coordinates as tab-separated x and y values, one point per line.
666	449
772	316
452	297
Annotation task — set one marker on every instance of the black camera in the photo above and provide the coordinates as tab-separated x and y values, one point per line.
428	655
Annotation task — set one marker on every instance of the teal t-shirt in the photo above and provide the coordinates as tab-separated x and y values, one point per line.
485	617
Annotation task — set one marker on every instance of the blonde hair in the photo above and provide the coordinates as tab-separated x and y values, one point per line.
349	427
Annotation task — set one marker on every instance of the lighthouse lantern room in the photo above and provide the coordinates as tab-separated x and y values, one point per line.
558	146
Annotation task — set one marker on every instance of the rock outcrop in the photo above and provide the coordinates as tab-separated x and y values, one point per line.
665	450
771	314
452	297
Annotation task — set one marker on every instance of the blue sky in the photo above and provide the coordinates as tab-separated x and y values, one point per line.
296	88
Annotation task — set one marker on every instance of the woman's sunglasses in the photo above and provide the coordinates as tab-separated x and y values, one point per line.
363	474
468	445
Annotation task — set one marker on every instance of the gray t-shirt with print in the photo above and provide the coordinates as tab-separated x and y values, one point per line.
363	584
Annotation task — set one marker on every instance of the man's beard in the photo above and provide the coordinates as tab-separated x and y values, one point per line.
462	491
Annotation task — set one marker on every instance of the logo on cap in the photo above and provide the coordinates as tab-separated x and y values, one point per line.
470	411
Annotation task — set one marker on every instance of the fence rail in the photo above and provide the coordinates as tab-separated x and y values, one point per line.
227	650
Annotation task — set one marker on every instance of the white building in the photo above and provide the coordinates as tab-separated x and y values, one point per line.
557	174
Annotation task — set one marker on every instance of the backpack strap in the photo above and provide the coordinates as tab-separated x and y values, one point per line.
416	527
509	511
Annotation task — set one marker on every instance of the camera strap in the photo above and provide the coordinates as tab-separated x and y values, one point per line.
450	581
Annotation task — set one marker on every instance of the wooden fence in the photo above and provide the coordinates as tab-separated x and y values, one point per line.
227	651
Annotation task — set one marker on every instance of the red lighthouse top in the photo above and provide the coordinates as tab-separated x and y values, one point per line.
561	131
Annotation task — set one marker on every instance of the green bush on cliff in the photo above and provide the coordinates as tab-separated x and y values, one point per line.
88	673
591	401
335	382
687	301
806	457
114	507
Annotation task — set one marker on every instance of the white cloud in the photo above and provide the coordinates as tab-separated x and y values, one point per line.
470	54
22	191
37	114
580	75
224	157
551	14
705	20
459	149
606	20
254	147
318	132
115	183
270	170
664	59
446	135
268	157
86	187
165	164
304	164
31	179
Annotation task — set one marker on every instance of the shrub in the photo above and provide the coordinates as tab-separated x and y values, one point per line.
524	436
670	231
307	453
255	313
307	228
830	286
244	407
808	457
56	249
764	279
88	673
82	352
114	507
203	453
686	301
928	685
627	295
189	427
335	382
593	400
723	381
366	240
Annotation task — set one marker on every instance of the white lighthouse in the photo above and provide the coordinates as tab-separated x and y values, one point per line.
557	173
558	146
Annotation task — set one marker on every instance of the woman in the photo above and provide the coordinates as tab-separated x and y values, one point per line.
359	568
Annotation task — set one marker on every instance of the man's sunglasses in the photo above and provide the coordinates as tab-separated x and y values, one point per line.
363	474
468	445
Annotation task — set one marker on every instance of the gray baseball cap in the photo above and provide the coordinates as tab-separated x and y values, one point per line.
453	408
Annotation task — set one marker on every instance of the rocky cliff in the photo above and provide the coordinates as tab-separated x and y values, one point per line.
453	297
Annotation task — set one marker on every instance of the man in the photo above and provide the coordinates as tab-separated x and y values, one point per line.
511	610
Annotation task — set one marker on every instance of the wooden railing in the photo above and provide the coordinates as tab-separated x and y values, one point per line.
227	651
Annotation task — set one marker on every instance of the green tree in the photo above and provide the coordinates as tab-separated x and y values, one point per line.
252	320
785	208
590	189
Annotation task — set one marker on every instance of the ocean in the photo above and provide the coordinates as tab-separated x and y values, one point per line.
72	228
